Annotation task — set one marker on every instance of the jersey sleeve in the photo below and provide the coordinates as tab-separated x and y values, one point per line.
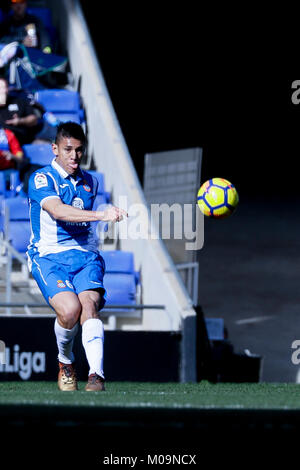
42	187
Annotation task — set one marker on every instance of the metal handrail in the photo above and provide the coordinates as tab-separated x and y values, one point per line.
110	311
22	259
108	307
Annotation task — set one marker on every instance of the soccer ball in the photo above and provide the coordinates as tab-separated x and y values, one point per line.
217	198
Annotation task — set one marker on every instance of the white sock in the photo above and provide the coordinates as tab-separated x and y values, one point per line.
93	340
65	339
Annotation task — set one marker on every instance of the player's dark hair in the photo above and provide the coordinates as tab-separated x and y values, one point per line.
70	129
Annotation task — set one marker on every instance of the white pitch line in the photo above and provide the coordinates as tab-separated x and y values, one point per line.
244	321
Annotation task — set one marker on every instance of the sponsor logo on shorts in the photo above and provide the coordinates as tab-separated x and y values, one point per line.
70	286
61	284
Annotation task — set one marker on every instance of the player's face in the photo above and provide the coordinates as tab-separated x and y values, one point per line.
69	152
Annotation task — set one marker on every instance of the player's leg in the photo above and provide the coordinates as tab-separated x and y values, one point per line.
88	285
92	337
67	308
53	280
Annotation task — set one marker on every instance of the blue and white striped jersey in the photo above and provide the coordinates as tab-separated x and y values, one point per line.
53	236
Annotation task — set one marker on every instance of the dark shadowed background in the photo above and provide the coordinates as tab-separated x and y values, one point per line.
173	87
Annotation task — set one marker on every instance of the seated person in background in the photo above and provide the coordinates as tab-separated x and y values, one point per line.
47	122
11	154
12	158
24	28
17	115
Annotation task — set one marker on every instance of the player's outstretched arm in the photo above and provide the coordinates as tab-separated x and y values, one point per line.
60	211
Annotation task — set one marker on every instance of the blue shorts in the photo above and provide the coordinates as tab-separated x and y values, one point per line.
69	271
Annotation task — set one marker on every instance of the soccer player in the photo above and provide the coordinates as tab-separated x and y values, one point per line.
63	256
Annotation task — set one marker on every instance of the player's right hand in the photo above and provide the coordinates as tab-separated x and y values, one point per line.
113	214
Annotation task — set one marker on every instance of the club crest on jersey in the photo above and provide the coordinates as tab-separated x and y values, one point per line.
86	187
78	203
40	180
61	284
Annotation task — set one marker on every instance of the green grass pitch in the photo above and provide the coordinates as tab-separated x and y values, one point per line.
203	395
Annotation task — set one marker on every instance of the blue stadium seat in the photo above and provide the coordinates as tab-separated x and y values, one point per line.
59	100
117	261
121	289
101	184
64	104
64	117
19	230
43	13
18	208
1	213
120	279
14	183
100	202
2	184
39	154
3	15
101	180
